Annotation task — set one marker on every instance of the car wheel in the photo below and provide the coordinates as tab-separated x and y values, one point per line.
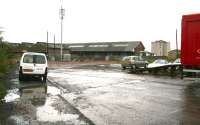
133	68
150	71
145	66
123	67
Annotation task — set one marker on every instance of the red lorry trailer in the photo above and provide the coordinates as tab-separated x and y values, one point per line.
190	45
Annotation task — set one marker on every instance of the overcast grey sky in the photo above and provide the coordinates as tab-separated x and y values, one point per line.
95	20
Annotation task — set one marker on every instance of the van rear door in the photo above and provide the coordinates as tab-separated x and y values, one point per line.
34	64
39	64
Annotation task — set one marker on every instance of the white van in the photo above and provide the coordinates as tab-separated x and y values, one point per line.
33	64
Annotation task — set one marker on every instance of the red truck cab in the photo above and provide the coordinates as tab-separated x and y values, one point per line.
190	43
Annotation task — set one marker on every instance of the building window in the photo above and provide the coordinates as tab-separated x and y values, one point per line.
98	45
120	45
76	46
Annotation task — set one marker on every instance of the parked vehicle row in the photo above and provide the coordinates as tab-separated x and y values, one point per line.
136	63
35	64
158	63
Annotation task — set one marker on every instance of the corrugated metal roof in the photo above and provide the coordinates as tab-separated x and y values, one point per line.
103	46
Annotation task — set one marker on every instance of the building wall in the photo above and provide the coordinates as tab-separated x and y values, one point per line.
139	48
173	54
160	48
98	51
56	52
80	56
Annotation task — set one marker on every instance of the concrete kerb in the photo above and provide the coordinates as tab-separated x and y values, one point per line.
87	120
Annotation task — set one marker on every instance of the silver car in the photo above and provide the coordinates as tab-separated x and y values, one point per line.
133	62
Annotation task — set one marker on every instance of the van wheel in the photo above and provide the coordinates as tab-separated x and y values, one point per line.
44	79
21	76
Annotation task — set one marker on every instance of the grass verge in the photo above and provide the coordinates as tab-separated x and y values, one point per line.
2	91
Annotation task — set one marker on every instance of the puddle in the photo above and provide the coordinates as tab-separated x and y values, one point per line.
33	102
53	90
132	82
29	93
50	113
102	65
197	92
17	120
37	95
12	95
14	81
115	65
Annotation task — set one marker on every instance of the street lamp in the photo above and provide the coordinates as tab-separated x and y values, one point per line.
62	14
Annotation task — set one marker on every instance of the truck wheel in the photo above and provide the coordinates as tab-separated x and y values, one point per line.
181	72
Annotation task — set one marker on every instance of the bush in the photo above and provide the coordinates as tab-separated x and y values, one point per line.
6	58
3	61
6	62
2	91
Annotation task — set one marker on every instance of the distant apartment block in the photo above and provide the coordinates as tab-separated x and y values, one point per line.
160	48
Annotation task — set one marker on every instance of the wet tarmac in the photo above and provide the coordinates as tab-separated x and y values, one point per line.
109	96
32	102
101	95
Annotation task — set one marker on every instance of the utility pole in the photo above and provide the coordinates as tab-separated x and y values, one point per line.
47	43
54	45
62	13
176	45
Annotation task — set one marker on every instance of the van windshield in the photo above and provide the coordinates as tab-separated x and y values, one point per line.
38	59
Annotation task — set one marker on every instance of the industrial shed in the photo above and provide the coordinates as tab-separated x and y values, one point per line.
104	50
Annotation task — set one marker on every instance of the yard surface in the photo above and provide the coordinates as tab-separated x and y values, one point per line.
103	94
